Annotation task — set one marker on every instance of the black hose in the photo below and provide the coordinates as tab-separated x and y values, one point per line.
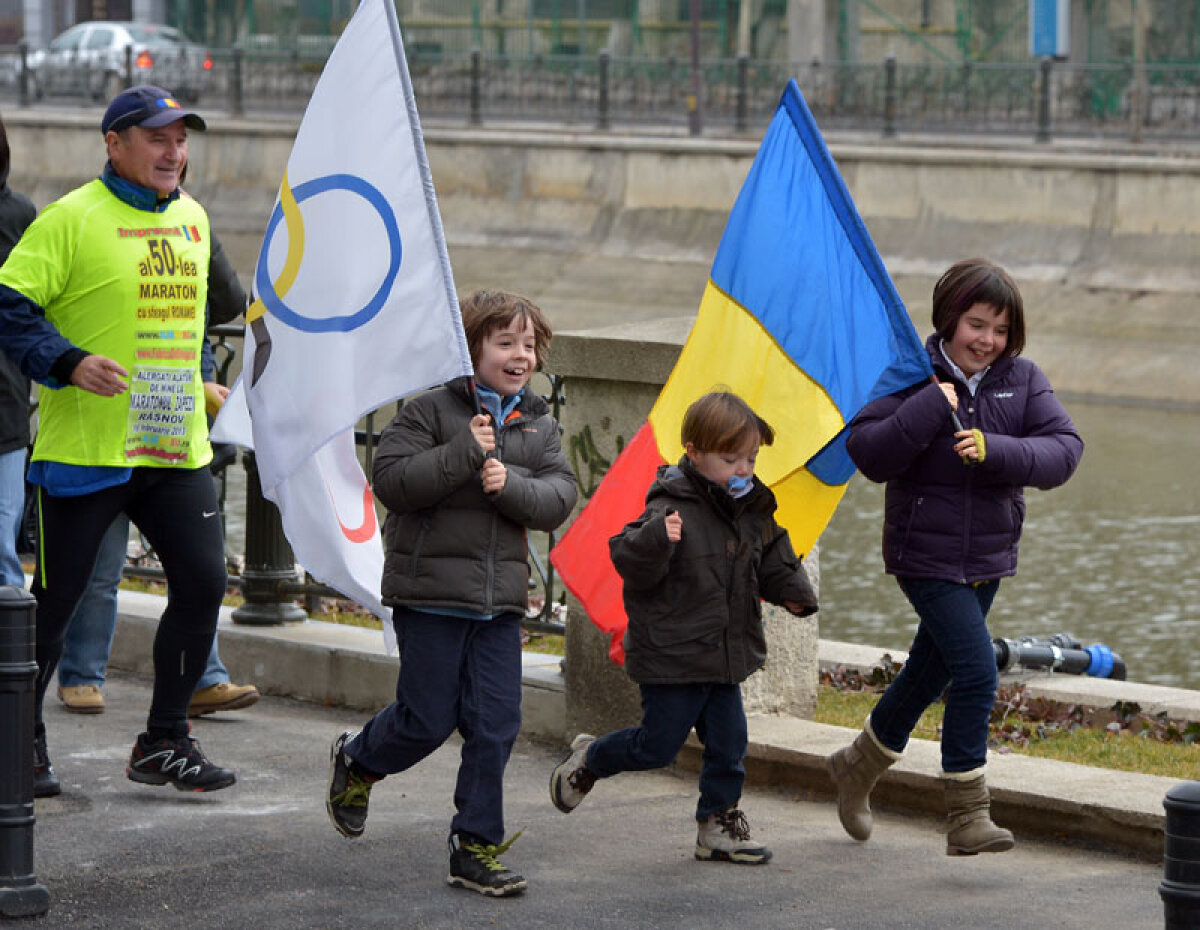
1059	652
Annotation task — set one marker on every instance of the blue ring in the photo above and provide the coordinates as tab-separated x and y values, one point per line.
265	287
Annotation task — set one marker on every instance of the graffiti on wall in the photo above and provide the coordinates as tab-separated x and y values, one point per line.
589	464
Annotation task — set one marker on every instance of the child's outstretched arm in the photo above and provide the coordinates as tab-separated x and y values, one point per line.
412	470
641	552
781	576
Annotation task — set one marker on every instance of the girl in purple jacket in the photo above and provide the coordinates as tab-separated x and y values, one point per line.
953	509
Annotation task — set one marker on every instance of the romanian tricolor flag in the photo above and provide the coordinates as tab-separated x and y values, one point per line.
801	319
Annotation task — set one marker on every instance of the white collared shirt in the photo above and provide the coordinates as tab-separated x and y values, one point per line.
972	382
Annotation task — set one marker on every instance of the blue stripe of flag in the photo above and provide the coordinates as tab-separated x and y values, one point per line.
798	257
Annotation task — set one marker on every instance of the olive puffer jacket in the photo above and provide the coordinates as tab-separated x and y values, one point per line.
946	520
447	543
693	605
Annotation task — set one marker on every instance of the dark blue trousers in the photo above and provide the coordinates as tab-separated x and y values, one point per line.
455	674
669	712
952	653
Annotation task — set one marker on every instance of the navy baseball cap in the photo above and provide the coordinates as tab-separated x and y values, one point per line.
147	106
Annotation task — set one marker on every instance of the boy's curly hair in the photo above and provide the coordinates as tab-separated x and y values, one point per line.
484	311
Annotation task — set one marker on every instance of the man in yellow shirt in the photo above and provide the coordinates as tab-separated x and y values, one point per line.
103	302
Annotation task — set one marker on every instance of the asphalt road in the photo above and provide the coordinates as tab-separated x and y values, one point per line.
263	855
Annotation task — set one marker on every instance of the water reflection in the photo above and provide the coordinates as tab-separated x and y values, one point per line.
1111	557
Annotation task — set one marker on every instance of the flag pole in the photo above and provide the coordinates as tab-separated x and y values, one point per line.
958	427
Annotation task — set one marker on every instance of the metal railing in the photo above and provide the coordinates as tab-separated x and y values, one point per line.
269	582
1035	99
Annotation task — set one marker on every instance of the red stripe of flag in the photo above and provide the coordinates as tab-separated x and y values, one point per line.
588	574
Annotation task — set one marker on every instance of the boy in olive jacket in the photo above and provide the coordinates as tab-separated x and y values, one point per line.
462	487
694	566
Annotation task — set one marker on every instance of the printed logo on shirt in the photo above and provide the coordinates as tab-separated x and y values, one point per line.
167	334
186	231
1001	394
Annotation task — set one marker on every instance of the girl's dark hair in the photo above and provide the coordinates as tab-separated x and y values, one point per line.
720	421
978	281
484	311
5	156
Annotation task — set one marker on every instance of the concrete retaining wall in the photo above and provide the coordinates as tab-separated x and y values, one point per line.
1102	243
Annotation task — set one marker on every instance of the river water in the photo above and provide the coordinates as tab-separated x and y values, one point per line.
1111	557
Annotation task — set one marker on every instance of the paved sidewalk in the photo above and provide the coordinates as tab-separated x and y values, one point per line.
345	666
262	854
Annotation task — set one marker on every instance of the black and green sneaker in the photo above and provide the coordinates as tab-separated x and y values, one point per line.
474	865
349	789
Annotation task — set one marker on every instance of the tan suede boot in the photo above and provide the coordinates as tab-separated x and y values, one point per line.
969	827
854	771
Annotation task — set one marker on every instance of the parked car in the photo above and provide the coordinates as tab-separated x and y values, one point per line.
89	60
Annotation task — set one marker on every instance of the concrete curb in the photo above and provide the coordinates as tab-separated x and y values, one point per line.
346	666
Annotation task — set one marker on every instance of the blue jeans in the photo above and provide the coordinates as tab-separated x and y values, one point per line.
90	633
12	507
455	673
669	712
952	652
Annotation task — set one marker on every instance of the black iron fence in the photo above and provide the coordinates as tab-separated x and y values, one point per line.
1034	99
268	579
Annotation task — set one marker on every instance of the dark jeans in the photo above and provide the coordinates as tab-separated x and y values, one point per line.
459	674
176	510
669	712
951	652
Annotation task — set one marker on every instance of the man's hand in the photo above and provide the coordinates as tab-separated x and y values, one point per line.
214	397
98	374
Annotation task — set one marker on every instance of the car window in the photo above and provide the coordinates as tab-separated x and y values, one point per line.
101	37
68	41
150	34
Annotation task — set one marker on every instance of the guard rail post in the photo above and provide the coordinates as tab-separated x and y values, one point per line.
474	116
602	113
23	76
20	893
269	559
889	96
237	106
741	118
1043	103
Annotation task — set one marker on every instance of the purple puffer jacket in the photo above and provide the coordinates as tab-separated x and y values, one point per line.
943	519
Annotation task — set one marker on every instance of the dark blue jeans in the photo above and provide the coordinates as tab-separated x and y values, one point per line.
669	712
459	674
951	652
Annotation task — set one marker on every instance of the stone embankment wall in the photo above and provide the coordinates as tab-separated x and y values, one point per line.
1104	244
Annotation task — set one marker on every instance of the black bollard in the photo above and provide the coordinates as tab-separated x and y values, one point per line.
20	893
269	559
1180	887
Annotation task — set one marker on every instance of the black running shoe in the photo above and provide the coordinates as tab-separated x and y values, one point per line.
177	762
349	790
473	865
45	782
